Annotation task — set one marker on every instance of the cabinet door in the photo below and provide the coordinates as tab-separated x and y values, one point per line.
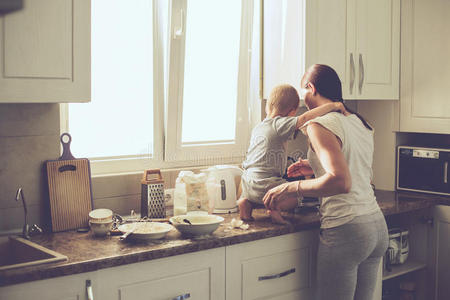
46	52
331	39
377	49
283	43
425	67
201	275
275	268
71	287
441	252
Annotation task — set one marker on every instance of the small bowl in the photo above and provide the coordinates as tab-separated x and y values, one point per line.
100	228
100	215
200	224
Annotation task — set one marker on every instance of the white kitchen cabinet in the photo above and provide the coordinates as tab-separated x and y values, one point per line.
201	275
425	67
361	41
71	287
280	267
46	52
441	258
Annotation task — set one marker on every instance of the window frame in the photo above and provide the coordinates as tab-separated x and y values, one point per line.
166	107
175	150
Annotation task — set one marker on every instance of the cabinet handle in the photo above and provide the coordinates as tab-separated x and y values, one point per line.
352	73
179	32
446	172
361	73
279	275
90	295
182	297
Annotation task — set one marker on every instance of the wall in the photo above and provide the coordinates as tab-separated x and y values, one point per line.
29	135
383	116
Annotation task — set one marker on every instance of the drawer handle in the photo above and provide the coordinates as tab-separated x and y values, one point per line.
182	297
279	275
446	172
90	295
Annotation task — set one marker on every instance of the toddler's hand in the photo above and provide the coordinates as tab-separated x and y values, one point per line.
340	107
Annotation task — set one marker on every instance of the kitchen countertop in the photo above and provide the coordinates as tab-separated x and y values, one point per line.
87	253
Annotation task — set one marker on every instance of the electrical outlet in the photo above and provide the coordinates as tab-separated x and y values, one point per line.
168	196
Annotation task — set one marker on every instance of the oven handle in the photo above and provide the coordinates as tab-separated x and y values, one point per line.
446	172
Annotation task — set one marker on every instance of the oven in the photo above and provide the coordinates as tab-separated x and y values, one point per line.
423	169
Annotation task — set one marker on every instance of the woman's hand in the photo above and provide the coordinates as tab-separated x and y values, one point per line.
274	199
300	168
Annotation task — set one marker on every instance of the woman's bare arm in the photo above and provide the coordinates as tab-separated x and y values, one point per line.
336	180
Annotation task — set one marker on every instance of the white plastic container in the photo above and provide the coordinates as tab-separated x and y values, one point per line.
179	199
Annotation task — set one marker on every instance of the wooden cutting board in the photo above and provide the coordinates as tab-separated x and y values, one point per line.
69	185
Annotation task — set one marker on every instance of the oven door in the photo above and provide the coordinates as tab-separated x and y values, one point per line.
421	169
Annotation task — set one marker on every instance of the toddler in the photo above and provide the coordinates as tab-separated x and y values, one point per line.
266	157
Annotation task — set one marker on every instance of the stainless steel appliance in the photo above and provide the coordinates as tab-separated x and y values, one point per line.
152	195
423	169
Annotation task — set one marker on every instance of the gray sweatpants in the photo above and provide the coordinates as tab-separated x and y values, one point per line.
349	256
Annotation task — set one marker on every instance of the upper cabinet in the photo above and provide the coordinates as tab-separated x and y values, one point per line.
45	53
360	40
425	105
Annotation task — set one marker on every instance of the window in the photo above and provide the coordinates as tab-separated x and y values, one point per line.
111	125
169	84
208	98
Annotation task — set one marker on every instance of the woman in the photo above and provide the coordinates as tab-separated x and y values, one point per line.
353	235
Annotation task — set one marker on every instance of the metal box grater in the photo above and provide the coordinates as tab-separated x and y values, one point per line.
152	195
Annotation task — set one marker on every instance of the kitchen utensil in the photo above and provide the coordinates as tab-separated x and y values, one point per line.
196	224
146	230
222	184
69	184
152	195
127	230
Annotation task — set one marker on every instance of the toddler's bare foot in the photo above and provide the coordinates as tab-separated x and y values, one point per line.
277	218
245	209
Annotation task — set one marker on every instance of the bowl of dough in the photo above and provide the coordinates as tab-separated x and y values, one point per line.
196	224
145	230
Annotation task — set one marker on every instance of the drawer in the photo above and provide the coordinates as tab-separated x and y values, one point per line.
196	284
276	274
281	267
200	274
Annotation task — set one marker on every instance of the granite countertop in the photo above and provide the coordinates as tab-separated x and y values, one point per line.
87	253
